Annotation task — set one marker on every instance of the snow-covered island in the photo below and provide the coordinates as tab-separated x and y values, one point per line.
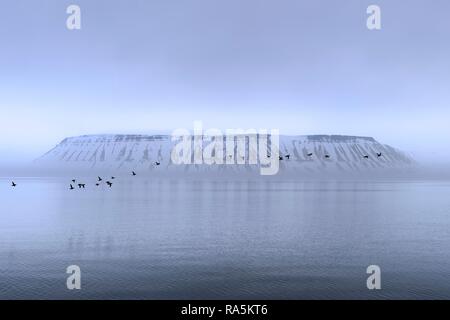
309	154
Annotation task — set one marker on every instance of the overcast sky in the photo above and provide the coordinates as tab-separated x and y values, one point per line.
304	67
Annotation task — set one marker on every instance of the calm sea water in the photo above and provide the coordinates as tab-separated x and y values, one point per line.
145	239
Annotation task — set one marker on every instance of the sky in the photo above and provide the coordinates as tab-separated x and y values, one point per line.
146	66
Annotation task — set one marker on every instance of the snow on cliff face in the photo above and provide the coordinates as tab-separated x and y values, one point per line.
145	152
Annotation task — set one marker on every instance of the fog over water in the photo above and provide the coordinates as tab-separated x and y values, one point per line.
150	67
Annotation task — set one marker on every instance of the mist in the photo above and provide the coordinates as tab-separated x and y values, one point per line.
300	67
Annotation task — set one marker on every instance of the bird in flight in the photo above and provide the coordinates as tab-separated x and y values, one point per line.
133	173
379	154
109	183
13	184
71	187
99	179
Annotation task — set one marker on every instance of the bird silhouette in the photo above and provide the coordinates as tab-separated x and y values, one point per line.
379	154
157	163
327	156
97	184
280	158
113	178
71	187
310	154
73	180
109	183
81	185
288	156
13	184
366	157
99	179
133	173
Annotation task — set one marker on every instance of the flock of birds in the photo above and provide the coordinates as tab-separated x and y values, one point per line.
109	183
327	156
99	181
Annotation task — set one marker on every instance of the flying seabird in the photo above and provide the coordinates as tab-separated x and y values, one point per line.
133	173
379	154
157	163
288	156
310	154
366	157
71	187
99	179
109	183
13	184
